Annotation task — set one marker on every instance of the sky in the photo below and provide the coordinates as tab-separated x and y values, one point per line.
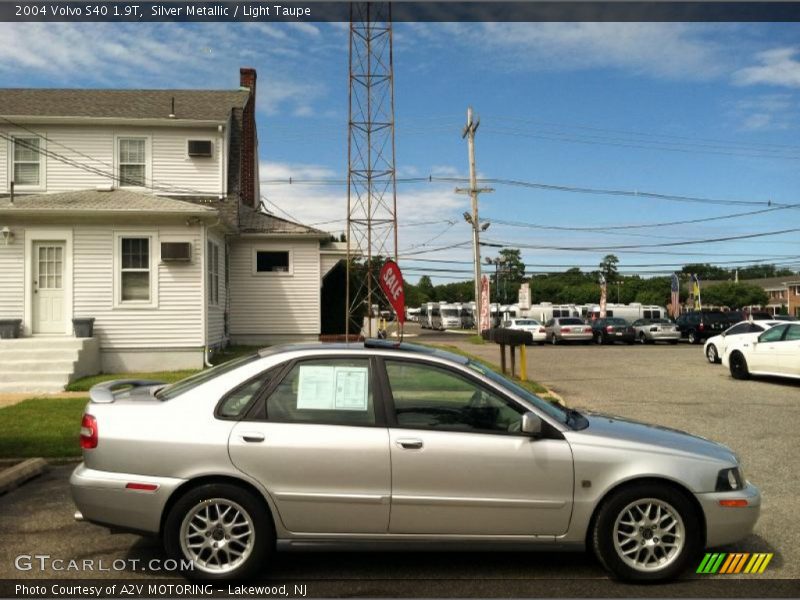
709	111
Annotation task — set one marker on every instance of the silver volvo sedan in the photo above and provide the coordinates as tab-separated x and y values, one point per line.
334	446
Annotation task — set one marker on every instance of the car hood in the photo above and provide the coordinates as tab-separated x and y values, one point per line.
635	435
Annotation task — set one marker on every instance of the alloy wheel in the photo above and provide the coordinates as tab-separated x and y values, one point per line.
218	535
711	353
649	535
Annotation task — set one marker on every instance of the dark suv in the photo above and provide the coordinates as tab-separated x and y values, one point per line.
702	324
612	329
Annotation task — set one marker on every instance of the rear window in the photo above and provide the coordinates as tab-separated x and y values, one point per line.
570	322
184	385
526	322
616	322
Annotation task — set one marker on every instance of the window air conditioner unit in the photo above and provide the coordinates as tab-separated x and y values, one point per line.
200	147
176	251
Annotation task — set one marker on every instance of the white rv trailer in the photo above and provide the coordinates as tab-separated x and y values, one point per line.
429	315
467	314
413	314
544	311
629	312
449	316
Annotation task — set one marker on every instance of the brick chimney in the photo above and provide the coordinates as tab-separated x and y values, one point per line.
248	170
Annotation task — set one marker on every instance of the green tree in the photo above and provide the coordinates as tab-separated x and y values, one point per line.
426	289
513	268
706	271
608	267
734	295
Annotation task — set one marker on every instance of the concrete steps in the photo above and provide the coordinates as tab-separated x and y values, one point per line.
45	364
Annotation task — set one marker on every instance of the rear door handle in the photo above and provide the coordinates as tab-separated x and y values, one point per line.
410	443
253	436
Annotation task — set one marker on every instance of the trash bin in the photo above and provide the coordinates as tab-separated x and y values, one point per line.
84	328
9	328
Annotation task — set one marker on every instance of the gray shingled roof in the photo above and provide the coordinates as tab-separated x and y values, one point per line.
252	221
196	105
121	201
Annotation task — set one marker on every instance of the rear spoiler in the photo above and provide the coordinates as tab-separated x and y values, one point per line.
103	393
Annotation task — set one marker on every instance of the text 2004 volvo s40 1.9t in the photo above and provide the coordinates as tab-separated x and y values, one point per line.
396	447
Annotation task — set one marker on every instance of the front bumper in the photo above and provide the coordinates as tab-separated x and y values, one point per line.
726	525
102	498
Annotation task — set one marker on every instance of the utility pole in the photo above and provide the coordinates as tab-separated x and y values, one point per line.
469	133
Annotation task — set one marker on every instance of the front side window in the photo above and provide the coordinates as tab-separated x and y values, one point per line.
331	391
27	161
429	397
269	261
213	273
132	162
773	335
135	269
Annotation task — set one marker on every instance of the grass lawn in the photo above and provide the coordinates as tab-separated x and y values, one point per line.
85	384
47	427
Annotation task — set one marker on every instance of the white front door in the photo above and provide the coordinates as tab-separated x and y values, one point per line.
48	287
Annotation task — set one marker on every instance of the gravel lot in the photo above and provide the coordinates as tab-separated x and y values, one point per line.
670	385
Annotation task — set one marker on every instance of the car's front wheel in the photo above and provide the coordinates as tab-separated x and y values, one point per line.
225	531
647	532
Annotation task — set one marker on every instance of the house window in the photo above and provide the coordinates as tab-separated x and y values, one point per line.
213	273
271	261
27	162
135	269
132	162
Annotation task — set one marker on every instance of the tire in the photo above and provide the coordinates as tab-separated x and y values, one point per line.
554	340
647	555
691	336
251	515
598	339
712	355
642	338
738	366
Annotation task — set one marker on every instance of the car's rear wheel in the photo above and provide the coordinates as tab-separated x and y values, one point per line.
692	337
554	340
642	338
225	531
647	532
738	365
598	339
711	354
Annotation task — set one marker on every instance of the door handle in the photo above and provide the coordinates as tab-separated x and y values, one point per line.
410	443
253	436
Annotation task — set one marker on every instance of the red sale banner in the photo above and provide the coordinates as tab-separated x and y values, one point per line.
391	281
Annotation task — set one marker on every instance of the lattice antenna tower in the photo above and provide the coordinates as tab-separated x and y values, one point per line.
372	185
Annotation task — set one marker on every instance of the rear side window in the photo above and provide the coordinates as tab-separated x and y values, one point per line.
236	402
793	334
333	391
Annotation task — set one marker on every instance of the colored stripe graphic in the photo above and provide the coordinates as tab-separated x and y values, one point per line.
729	564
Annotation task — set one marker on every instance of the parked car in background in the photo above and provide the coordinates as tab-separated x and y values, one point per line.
784	318
757	315
715	346
309	446
536	329
567	329
612	329
700	325
649	331
775	352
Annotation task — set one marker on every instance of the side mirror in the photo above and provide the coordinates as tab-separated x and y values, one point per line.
531	424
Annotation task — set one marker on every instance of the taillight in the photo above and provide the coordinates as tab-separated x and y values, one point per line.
88	432
702	326
609	329
541	330
565	330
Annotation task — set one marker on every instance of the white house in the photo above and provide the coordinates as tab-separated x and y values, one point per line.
141	209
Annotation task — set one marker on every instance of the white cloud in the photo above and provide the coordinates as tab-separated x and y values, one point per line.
767	112
325	206
667	50
778	66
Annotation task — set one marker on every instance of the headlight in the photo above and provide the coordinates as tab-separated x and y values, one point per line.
730	480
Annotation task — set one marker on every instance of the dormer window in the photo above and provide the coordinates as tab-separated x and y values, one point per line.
28	163
132	161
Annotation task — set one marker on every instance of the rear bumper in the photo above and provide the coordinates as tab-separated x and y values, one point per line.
575	337
103	499
726	525
661	336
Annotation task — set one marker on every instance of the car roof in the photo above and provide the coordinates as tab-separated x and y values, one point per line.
366	345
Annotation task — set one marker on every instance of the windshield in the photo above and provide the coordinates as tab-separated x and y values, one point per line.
449	312
570	322
553	410
184	385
